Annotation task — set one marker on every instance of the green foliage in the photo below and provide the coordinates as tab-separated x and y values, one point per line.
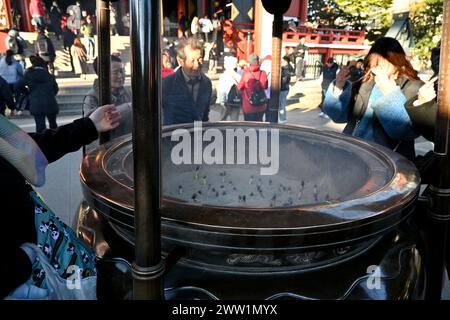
375	16
325	13
360	14
366	14
426	18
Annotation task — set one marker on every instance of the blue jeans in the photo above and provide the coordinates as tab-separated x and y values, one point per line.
90	47
283	97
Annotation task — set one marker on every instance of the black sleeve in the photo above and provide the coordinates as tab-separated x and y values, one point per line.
67	138
435	58
19	85
7	95
206	112
423	118
51	48
17	267
285	78
55	85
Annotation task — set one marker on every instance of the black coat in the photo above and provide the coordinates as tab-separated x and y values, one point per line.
178	105
43	89
329	74
285	78
18	209
6	98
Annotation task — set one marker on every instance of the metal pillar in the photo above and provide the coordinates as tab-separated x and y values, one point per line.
438	213
104	60
25	22
148	266
249	44
274	102
277	8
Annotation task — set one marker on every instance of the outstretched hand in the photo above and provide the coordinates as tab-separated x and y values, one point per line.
105	118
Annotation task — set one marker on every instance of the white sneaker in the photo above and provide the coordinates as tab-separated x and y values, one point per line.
324	115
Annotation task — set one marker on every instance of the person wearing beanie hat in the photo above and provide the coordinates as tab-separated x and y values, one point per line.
253	79
375	107
253	60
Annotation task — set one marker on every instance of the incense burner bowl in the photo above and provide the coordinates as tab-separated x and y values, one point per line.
271	209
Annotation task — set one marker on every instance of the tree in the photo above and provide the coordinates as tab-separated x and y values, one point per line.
426	17
375	16
324	13
371	15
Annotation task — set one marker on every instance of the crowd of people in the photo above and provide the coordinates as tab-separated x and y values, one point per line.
22	86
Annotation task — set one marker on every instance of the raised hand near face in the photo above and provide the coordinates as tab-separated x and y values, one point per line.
426	92
384	78
342	76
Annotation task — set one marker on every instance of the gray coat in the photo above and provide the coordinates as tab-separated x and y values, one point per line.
121	98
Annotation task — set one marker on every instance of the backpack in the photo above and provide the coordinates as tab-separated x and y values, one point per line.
234	97
42	46
257	94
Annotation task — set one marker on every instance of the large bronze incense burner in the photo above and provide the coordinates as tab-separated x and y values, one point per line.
334	200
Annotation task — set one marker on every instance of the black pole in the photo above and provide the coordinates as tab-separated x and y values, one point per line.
148	266
438	213
277	35
104	52
277	8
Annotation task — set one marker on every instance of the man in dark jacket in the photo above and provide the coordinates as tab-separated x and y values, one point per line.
284	89
55	18
43	89
300	55
329	72
187	92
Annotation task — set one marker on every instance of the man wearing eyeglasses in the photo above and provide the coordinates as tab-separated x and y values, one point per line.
120	96
187	92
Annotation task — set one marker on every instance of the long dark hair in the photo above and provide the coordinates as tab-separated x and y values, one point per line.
9	57
37	61
391	50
